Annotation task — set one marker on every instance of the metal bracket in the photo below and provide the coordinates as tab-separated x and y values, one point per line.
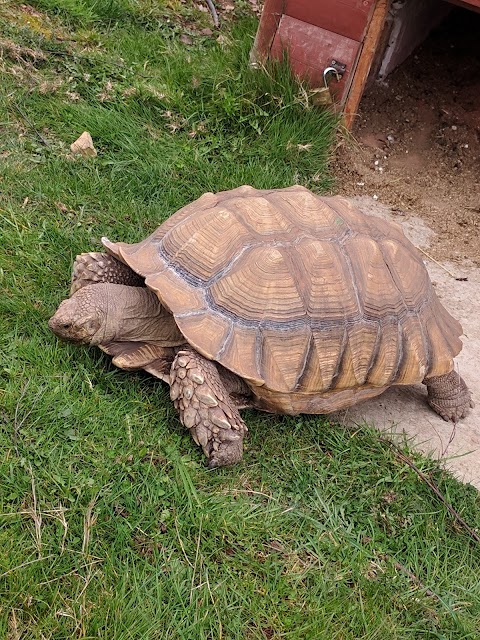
337	68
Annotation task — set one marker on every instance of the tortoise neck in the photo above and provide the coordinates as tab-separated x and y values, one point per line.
135	314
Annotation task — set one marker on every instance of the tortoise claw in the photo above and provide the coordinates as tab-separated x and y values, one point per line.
227	454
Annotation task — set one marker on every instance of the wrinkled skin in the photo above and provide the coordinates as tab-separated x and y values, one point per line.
100	313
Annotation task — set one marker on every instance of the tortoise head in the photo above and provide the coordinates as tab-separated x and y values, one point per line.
81	318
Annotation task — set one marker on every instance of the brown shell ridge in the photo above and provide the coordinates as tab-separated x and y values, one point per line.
374	353
226	343
317	324
259	341
360	372
427	300
293	260
402	352
240	217
196	280
399	355
351	271
302	234
339	360
331	202
310	354
306	360
426	343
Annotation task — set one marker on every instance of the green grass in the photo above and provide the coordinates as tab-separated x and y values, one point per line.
110	525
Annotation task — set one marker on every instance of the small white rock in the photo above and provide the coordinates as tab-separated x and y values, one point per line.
84	146
375	197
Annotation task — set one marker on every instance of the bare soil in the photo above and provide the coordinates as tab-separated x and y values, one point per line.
416	142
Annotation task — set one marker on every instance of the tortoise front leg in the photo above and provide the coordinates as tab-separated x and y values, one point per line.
449	396
206	408
95	267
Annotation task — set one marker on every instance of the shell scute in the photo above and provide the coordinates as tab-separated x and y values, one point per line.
376	289
309	213
281	366
415	352
207	331
413	283
205	242
260	286
241	352
388	354
261	217
324	358
361	351
331	290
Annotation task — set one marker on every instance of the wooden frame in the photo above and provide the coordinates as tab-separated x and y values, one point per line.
365	60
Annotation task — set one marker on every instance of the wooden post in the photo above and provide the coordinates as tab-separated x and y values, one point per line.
365	59
269	21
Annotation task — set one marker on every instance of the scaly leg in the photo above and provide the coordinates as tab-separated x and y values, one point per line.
449	396
206	408
94	267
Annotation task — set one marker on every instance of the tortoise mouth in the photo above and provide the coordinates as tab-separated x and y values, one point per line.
68	331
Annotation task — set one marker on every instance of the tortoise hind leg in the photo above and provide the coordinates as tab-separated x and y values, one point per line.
94	267
449	396
206	408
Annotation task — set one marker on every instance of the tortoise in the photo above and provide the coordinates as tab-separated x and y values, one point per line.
280	300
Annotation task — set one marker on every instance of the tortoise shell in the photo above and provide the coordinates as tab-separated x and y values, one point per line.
315	304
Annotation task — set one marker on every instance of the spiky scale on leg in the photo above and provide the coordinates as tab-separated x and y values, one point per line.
94	267
449	396
206	409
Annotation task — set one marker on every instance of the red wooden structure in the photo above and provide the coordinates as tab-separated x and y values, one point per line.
343	34
318	34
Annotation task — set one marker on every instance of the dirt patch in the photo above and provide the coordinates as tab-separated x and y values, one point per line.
416	144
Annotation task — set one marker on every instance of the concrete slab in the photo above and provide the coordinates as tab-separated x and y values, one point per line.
402	411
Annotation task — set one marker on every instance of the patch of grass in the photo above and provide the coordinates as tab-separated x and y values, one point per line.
110	525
